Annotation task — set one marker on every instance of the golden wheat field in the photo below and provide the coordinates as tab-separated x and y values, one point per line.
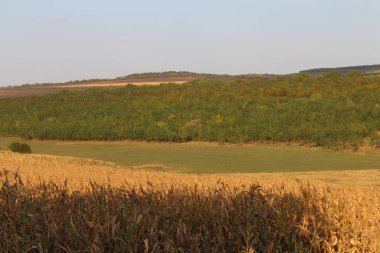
58	204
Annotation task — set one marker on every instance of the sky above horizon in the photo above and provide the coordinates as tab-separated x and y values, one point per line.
62	40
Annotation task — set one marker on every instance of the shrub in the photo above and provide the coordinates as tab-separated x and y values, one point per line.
20	147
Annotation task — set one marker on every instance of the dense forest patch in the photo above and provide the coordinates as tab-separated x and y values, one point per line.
329	110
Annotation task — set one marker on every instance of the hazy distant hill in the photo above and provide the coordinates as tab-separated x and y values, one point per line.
167	76
367	69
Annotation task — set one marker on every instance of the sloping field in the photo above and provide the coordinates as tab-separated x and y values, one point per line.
117	84
80	171
22	92
209	157
52	89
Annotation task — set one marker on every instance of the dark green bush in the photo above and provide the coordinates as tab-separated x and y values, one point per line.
20	148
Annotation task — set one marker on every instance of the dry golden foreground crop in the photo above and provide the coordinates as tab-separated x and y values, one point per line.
142	210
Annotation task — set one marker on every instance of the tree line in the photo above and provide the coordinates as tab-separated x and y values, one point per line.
330	110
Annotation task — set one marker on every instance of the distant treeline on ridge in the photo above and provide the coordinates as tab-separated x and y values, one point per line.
166	76
329	110
366	69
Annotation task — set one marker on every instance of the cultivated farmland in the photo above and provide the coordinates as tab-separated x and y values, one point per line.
285	164
133	210
210	157
53	89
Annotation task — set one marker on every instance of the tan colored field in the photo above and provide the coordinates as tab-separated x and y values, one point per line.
45	90
80	171
52	89
117	84
207	213
34	91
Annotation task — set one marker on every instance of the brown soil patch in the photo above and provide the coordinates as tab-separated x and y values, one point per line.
20	92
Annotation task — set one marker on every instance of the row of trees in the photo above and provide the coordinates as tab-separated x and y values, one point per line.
329	110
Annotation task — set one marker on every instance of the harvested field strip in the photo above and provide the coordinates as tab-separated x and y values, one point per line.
45	90
21	92
117	84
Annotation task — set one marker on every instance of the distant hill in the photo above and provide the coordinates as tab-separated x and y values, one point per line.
328	111
366	69
165	77
149	78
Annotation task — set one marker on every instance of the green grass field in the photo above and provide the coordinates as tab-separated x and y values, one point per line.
209	158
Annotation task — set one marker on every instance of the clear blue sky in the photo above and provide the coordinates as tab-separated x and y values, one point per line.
60	40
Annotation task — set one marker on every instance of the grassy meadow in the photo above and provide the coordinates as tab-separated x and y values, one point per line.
79	172
209	157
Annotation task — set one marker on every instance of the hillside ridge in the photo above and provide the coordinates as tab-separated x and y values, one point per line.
366	69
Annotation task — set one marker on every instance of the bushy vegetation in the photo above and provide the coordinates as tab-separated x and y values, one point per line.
20	148
48	217
329	110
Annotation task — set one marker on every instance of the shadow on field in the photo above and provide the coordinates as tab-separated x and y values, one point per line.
52	218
